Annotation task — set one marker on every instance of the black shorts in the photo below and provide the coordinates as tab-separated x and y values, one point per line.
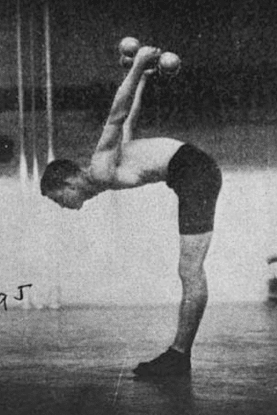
196	179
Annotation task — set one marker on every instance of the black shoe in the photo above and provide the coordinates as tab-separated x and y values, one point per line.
170	363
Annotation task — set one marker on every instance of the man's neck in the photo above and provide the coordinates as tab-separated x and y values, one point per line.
92	187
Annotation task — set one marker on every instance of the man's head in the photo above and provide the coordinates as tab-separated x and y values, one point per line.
63	182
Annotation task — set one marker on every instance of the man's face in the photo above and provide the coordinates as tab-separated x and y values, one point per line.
68	197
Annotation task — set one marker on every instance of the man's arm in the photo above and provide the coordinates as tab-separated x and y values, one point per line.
131	121
111	138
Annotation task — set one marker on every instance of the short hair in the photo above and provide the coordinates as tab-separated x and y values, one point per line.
56	174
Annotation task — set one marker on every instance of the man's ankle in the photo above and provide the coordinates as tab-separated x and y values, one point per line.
177	349
180	350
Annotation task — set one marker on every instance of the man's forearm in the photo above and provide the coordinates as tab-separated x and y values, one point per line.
131	121
124	97
135	108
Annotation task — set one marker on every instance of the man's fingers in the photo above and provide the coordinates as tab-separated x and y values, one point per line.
149	72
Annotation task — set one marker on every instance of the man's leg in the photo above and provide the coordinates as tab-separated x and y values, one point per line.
196	179
176	360
193	251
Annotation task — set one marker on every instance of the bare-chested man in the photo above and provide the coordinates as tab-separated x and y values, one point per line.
119	162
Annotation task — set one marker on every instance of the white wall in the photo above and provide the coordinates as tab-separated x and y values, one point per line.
122	247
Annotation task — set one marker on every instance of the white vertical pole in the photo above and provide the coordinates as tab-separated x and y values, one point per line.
54	301
49	103
33	97
23	162
20	77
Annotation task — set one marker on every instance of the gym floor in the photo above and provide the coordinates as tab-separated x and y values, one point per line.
79	361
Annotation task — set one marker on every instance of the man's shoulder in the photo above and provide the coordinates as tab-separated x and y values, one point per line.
101	165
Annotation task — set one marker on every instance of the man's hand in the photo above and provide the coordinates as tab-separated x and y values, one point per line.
148	72
147	57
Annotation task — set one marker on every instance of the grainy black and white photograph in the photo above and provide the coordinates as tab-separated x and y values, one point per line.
138	175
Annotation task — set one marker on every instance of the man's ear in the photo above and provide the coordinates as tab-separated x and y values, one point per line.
71	182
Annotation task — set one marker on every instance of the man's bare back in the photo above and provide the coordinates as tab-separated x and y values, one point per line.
142	161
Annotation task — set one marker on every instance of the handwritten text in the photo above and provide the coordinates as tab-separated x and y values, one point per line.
3	296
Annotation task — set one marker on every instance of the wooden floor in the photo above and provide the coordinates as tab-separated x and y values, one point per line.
234	368
108	391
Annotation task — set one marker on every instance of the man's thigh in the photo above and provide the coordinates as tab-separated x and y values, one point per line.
193	251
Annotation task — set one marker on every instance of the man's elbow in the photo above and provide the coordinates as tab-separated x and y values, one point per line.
127	131
117	117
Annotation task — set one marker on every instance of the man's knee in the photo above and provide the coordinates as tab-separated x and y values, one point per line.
191	274
194	285
190	266
193	251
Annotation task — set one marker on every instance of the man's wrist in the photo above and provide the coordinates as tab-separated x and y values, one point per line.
139	65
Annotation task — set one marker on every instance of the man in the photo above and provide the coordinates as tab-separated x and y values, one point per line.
120	163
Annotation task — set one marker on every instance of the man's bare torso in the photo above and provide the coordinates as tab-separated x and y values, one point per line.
142	161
